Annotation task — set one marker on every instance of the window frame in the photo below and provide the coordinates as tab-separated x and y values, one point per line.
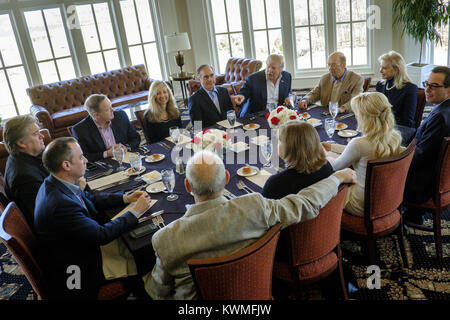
433	44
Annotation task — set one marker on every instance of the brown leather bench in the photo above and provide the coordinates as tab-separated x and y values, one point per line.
61	104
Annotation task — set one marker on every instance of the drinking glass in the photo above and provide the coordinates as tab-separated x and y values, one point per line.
174	134
266	149
118	154
292	99
136	164
333	107
271	106
329	125
168	178
231	116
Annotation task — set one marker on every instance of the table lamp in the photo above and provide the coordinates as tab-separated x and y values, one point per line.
178	42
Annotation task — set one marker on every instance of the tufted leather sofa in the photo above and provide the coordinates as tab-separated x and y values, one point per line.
61	104
236	70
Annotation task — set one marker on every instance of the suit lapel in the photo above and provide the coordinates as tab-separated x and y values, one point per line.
211	104
264	87
95	133
282	89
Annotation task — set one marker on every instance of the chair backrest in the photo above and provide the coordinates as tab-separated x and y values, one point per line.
366	83
443	172
312	239
237	69
21	242
243	275
385	183
420	107
3	198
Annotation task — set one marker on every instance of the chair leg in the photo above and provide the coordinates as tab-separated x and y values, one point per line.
437	234
341	273
401	241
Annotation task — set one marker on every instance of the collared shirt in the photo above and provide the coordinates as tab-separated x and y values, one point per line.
341	79
273	90
107	135
214	97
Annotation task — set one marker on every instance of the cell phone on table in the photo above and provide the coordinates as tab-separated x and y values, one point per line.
143	230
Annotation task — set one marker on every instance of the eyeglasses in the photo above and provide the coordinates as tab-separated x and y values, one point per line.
432	86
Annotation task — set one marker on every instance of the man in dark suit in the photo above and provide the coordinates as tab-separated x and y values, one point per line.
210	103
24	172
70	225
421	180
272	85
104	129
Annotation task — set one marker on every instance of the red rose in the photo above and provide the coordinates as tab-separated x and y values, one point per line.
293	117
267	115
227	136
280	109
206	131
275	120
196	140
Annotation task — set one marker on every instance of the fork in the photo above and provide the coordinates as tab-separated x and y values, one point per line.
163	145
99	175
242	186
228	194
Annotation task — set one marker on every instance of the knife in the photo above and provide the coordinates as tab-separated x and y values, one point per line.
113	184
346	116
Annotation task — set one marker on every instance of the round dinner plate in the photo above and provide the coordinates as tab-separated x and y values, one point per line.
347	133
305	115
156	187
341	126
251	126
131	172
155	157
254	170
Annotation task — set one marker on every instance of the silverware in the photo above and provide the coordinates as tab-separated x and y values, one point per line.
113	184
242	186
345	116
135	189
151	216
99	175
228	194
165	146
312	107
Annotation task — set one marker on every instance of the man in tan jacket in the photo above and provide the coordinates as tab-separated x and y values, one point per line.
338	85
215	226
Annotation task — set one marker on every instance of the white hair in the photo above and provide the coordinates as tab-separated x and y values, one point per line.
205	172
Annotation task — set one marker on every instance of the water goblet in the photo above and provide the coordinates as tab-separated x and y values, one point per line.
333	107
136	164
271	106
168	178
292	99
266	149
231	117
329	125
174	134
119	154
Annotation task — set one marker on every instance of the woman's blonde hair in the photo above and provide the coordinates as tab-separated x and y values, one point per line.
301	147
376	122
155	110
397	62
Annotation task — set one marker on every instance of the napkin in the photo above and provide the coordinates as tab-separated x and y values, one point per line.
181	140
117	260
259	139
239	146
226	124
337	148
103	181
152	176
129	206
314	122
260	178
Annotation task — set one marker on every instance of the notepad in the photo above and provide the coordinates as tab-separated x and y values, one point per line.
103	181
226	124
260	178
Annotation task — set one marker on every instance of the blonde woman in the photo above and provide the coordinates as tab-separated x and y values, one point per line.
306	163
162	112
379	140
398	88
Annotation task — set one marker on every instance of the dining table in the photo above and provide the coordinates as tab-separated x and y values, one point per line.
141	247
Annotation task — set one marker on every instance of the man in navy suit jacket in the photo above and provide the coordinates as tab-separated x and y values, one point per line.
103	129
70	226
421	180
272	85
210	103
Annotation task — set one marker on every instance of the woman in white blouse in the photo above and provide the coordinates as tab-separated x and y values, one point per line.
379	140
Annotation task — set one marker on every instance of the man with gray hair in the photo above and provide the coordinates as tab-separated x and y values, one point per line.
24	172
215	226
104	129
269	86
339	85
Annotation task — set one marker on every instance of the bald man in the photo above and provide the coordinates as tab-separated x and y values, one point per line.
215	226
339	85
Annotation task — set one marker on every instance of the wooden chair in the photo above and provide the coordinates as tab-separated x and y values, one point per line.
421	101
21	242
366	83
315	247
243	275
441	199
384	186
3	198
140	116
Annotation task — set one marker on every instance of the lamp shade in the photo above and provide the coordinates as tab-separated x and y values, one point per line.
177	42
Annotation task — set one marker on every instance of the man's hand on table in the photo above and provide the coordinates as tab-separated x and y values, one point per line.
109	152
303	105
345	176
142	202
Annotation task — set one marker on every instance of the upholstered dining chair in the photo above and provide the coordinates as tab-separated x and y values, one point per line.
21	242
440	200
3	198
140	116
243	275
420	107
366	83
314	247
385	183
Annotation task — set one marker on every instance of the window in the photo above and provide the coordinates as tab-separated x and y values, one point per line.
141	36
266	28
50	45
13	81
227	30
441	51
98	37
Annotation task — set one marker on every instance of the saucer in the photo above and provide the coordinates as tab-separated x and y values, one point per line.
156	187
131	172
251	126
341	126
253	171
347	133
155	157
